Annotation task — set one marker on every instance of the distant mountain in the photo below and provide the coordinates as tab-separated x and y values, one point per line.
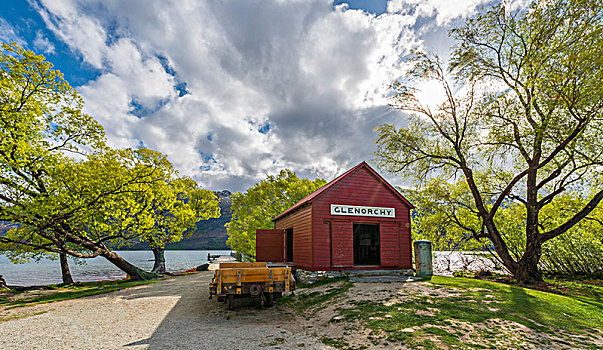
208	235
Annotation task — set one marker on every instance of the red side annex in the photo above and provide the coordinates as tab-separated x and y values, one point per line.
357	221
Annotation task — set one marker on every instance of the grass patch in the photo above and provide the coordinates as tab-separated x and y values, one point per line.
312	299
338	343
322	282
574	313
18	317
474	313
58	292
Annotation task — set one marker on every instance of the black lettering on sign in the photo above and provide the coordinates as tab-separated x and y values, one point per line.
361	211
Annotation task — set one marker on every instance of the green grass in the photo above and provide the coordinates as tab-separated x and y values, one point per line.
476	303
338	343
471	314
592	289
311	299
58	292
322	282
575	313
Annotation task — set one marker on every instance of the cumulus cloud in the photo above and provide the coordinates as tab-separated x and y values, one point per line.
235	90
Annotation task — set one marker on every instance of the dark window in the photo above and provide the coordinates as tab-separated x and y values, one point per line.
289	257
366	245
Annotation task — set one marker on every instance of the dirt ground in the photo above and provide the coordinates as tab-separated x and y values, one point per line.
176	313
325	320
172	314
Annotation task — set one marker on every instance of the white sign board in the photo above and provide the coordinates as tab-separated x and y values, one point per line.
354	210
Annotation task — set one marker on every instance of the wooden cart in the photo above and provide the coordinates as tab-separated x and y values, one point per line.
238	280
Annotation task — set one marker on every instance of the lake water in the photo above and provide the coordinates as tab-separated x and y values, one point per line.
49	272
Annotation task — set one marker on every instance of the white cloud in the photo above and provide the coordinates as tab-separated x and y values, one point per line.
315	76
444	10
8	34
42	43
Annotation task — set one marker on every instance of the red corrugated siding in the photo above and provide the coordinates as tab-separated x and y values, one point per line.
361	188
301	222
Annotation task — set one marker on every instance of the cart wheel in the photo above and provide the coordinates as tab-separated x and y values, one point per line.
230	300
270	300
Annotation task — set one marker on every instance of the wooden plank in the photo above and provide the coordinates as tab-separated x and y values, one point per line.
241	265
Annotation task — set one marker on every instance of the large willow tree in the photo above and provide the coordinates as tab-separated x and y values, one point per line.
523	111
69	193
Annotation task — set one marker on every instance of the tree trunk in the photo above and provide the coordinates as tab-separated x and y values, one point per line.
3	283
526	270
159	266
65	269
133	272
527	273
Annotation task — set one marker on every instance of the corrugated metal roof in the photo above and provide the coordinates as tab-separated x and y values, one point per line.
312	196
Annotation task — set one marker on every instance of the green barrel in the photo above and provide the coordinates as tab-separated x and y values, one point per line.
423	258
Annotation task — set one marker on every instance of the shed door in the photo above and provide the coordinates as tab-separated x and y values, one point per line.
270	245
366	244
342	244
289	245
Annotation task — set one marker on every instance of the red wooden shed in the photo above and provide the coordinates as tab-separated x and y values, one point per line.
357	221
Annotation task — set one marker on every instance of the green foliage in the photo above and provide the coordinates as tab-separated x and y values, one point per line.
520	121
256	208
175	209
40	123
69	192
446	216
579	252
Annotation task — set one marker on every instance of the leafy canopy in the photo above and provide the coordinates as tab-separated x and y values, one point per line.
256	208
522	109
66	189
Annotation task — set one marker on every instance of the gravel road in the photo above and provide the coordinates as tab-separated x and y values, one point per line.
172	314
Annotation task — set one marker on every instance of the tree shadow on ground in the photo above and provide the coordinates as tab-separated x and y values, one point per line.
195	322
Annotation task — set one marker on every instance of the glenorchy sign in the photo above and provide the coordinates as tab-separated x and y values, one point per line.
354	210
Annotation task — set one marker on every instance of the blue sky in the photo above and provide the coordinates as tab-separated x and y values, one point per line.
232	91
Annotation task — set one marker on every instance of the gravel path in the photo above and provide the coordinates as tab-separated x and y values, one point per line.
172	314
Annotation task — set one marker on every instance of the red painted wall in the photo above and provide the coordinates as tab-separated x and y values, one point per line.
301	222
333	233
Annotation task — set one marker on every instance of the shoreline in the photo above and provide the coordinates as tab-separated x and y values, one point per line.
48	272
212	266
